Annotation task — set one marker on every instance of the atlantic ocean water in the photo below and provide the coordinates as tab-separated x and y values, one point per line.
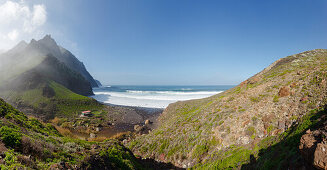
153	96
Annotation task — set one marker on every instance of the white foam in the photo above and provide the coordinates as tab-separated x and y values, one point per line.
154	99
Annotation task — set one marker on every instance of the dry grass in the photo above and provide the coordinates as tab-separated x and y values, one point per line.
98	139
66	132
55	121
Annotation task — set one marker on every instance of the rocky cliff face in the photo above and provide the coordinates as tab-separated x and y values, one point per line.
231	126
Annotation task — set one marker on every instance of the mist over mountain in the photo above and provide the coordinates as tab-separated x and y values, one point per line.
45	79
31	54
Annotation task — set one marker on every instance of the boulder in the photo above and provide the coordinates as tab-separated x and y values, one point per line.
137	127
147	122
93	135
281	124
320	156
307	146
313	148
284	91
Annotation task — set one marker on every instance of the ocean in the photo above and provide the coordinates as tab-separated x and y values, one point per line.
153	96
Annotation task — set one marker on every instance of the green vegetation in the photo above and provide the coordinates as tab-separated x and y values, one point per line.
235	121
276	99
10	137
24	136
263	155
63	103
254	99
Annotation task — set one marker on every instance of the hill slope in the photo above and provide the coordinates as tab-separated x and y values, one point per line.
27	142
222	131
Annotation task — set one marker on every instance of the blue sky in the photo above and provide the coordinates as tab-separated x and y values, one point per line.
182	42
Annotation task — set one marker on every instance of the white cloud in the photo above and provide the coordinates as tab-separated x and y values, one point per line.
13	35
20	21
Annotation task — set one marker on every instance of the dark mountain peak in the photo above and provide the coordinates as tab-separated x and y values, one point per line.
33	41
48	41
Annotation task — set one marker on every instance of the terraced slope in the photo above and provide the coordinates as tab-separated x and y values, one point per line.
231	128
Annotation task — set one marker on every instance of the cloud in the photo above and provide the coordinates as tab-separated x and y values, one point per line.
13	35
20	21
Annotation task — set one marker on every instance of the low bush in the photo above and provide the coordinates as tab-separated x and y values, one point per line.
10	137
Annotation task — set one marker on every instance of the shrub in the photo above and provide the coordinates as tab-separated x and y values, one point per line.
254	99
200	150
275	99
250	131
10	161
11	137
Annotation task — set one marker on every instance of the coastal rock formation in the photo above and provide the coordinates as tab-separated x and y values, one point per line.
224	130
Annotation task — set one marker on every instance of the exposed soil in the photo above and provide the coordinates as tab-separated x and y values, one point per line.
124	118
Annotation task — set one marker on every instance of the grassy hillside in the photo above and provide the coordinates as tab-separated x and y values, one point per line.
46	91
27	142
229	129
51	99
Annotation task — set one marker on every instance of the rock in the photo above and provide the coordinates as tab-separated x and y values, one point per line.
244	140
320	156
92	135
281	124
253	80
284	91
125	141
293	85
98	129
147	122
313	148
307	146
137	127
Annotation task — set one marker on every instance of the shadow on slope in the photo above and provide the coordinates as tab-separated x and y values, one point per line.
284	153
153	164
